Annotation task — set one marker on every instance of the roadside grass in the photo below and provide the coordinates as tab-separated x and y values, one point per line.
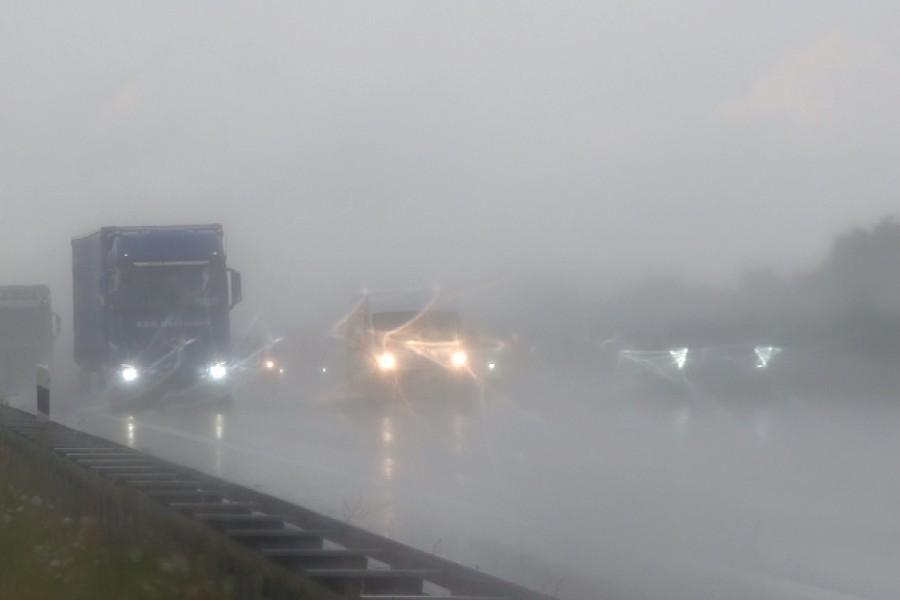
48	555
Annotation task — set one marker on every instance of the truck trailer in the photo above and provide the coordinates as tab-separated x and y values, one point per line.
151	312
28	327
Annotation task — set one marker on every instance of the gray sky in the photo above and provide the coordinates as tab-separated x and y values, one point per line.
405	143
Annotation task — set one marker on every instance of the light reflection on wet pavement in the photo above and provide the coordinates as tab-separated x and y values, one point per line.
584	494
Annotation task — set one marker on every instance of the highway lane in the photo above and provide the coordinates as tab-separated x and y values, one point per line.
562	483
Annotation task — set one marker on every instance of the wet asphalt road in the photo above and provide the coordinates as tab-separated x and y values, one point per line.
562	482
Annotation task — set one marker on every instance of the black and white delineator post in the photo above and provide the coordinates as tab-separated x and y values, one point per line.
43	391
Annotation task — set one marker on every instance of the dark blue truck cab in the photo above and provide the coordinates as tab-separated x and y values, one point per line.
151	311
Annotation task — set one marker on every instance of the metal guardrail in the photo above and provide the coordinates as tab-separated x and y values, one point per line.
272	548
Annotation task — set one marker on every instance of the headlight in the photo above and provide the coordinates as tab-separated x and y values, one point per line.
491	366
387	361
270	364
764	354
679	357
459	358
218	371
128	373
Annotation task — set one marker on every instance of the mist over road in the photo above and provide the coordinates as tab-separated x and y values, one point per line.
571	485
611	188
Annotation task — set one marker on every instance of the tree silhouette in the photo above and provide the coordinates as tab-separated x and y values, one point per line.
856	291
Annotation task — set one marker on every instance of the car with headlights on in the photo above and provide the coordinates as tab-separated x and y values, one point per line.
399	351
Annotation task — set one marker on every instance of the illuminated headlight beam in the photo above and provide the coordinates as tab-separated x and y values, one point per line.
764	354
679	355
387	361
129	373
218	371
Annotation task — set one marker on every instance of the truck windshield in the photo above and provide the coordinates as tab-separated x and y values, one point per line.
166	287
435	325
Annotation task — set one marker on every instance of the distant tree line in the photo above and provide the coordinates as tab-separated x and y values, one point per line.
851	303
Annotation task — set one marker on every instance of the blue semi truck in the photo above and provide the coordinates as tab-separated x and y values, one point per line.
151	311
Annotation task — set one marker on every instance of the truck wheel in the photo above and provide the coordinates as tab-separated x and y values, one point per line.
223	400
381	391
116	399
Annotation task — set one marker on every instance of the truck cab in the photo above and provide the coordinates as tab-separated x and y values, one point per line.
393	350
152	310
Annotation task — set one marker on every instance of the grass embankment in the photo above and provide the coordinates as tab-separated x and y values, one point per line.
47	554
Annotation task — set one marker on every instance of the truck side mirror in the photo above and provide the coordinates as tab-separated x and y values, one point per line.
236	292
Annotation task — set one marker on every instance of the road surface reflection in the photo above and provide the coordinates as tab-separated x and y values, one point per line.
567	488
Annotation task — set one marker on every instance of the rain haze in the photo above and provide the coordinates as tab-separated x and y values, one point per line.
600	184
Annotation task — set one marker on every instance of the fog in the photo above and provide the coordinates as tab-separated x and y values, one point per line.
457	143
587	181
